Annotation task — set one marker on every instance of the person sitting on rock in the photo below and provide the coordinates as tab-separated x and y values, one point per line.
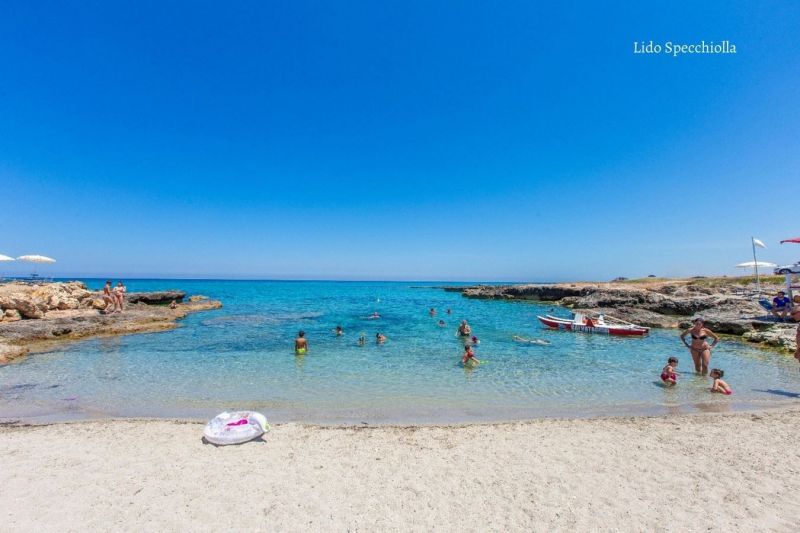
173	304
781	306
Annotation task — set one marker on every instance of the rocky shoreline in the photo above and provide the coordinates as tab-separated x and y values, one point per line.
726	304
38	317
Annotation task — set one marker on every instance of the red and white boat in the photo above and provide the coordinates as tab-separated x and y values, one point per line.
598	325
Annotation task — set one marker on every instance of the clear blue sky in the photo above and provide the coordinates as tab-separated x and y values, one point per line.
396	140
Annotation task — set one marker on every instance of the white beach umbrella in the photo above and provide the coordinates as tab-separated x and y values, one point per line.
754	264
36	259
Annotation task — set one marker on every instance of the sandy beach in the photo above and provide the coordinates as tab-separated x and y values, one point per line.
711	472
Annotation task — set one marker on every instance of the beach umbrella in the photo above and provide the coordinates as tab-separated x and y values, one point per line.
35	259
796	240
754	264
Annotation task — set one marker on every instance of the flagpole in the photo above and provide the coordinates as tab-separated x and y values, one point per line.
755	263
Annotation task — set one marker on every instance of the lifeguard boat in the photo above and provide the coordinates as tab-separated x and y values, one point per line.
599	324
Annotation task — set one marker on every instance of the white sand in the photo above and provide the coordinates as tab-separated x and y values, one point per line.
737	472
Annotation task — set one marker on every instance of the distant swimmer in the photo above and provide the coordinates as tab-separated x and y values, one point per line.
301	344
449	312
339	331
380	338
540	342
441	323
464	330
469	358
362	339
374	316
432	312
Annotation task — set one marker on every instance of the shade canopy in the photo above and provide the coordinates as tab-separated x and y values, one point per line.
5	258
36	259
796	240
753	264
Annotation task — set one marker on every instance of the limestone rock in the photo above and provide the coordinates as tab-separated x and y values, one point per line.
11	315
68	303
156	297
779	336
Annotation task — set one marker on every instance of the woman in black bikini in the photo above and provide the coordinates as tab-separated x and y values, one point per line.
699	348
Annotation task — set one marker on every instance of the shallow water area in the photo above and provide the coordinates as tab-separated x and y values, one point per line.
241	357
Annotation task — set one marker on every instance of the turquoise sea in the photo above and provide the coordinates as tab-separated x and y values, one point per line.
241	357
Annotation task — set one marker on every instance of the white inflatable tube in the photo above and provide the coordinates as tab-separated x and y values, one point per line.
235	428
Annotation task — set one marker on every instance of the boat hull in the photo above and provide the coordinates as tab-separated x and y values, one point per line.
617	331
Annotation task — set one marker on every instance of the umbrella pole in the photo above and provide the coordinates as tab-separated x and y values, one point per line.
755	263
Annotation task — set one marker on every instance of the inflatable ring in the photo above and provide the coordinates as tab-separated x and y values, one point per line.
235	428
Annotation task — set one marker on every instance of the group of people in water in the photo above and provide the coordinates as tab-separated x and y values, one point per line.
464	331
696	339
700	350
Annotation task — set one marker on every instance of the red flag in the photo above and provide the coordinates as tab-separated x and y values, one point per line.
796	240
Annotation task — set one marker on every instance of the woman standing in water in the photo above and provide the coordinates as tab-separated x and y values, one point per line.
301	344
699	348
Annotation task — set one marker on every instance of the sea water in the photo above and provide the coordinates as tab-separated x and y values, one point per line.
241	357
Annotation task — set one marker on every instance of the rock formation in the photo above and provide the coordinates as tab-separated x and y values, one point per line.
725	305
35	317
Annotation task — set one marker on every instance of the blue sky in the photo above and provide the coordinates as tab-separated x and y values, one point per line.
396	140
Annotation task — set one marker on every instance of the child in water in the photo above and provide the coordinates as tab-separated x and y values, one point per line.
718	385
475	341
469	358
300	343
380	338
668	374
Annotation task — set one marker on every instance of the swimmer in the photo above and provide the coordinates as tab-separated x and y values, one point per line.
441	323
301	344
374	316
432	312
380	338
475	340
668	374
339	331
469	356
464	330
362	339
718	385
449	311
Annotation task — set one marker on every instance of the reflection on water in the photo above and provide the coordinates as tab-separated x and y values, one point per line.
241	356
